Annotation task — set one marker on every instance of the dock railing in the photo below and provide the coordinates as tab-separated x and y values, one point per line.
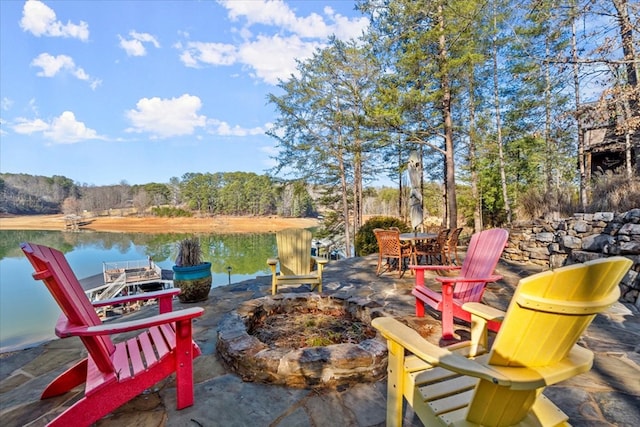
114	288
135	271
119	275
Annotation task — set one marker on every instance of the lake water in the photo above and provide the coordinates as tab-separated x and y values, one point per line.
28	312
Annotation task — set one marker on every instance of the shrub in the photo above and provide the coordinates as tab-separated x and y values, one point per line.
615	192
365	241
171	212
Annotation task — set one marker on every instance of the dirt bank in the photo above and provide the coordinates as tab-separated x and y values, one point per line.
218	224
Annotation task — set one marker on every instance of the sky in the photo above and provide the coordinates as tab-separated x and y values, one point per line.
103	92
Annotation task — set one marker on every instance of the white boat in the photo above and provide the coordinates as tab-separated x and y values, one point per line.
126	278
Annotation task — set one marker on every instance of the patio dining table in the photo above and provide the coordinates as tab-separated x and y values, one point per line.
415	237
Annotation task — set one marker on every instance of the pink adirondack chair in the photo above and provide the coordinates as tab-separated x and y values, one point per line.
476	271
114	373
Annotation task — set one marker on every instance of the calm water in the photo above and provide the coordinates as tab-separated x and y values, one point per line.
28	312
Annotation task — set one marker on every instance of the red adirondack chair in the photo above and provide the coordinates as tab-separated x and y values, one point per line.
114	373
476	271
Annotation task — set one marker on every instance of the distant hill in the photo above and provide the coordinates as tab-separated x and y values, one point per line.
23	194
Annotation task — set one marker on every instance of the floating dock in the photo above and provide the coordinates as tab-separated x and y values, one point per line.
126	278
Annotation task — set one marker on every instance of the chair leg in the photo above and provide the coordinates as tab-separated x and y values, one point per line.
447	311
395	386
69	379
419	284
447	260
274	280
184	364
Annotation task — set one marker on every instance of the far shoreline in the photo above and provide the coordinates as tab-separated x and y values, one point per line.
153	224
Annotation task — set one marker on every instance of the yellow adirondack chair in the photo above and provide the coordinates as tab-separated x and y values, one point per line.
535	347
296	262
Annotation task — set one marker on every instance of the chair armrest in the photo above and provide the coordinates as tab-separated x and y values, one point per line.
65	330
320	260
456	279
272	261
168	293
435	267
578	360
481	315
409	339
484	311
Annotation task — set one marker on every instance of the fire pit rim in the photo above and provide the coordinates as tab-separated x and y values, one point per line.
322	366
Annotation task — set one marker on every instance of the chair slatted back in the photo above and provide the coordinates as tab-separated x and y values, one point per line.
389	243
294	251
482	257
451	245
52	268
452	239
565	302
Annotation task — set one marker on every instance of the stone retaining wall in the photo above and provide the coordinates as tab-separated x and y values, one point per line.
553	243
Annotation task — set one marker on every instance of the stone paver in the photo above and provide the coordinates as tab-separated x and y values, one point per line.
608	395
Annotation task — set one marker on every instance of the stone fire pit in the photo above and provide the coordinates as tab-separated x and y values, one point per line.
322	366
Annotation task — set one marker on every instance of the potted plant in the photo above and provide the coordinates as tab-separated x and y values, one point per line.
191	274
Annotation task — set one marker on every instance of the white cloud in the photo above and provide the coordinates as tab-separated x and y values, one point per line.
208	53
65	129
27	127
33	106
40	20
277	13
6	103
134	45
222	128
164	118
271	57
52	65
95	84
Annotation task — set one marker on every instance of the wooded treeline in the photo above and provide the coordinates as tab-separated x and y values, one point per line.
229	193
490	93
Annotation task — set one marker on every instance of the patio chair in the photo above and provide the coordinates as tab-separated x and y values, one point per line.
451	247
392	250
114	373
476	271
536	347
295	260
432	249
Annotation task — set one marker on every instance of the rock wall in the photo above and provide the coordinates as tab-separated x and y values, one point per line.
553	243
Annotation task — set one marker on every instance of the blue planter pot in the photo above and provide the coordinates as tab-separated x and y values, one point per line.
194	282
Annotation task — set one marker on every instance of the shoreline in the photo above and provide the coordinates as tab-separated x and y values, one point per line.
152	224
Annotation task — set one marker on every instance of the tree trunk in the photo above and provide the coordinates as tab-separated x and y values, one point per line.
345	206
576	87
450	179
400	196
626	32
496	97
632	105
475	193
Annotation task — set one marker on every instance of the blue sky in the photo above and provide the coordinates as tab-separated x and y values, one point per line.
142	91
